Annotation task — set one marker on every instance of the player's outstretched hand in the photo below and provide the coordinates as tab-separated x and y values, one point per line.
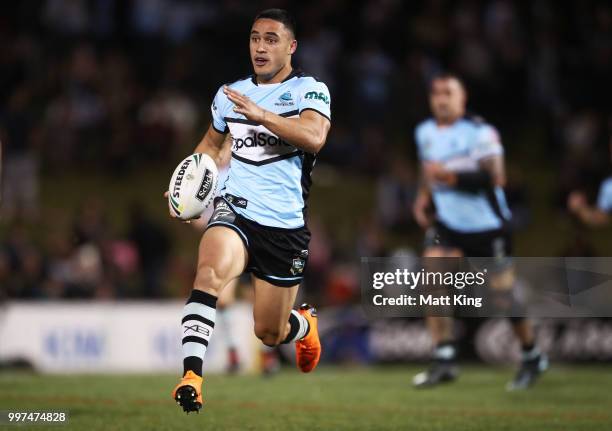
576	201
172	212
244	105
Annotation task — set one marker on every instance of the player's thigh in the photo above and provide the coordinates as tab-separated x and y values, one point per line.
440	258
222	257
272	306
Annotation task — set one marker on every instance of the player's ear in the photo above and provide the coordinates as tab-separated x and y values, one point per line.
464	94
292	46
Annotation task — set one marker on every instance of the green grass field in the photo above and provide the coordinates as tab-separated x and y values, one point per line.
567	398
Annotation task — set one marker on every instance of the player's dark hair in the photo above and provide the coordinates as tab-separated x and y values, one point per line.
280	15
446	75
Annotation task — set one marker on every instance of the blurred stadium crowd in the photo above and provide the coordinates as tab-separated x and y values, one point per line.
101	85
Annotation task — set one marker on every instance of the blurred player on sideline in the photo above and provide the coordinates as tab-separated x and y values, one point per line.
598	215
463	174
278	119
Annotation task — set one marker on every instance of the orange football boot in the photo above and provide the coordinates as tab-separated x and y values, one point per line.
188	393
308	349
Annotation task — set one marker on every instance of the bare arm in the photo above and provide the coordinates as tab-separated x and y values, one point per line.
423	187
496	167
213	144
422	202
592	216
493	168
308	132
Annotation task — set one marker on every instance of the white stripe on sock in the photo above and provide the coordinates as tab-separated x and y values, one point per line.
194	349
444	352
531	354
303	325
199	309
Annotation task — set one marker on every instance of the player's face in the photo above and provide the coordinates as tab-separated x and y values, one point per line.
447	100
271	46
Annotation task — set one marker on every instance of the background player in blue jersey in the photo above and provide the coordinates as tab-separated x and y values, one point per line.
597	215
463	175
278	119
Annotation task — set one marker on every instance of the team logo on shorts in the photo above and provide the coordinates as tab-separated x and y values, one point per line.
299	263
222	211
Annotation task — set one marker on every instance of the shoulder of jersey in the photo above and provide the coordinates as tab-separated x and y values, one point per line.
304	77
474	118
241	83
607	183
476	121
302	80
424	125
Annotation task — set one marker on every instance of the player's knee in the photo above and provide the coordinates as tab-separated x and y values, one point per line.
439	251
433	252
208	280
268	335
503	281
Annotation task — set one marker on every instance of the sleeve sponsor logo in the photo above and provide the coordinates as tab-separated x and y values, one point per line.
313	95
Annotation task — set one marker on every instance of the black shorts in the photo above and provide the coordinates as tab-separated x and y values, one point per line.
278	256
491	243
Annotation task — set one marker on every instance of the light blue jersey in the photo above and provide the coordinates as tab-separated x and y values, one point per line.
460	147
269	178
604	198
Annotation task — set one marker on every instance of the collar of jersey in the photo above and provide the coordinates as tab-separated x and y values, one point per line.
294	72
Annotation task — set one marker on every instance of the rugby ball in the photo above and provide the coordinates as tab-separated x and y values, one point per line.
193	186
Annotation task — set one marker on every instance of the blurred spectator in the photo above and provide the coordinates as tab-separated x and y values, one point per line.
153	246
20	174
372	68
395	194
